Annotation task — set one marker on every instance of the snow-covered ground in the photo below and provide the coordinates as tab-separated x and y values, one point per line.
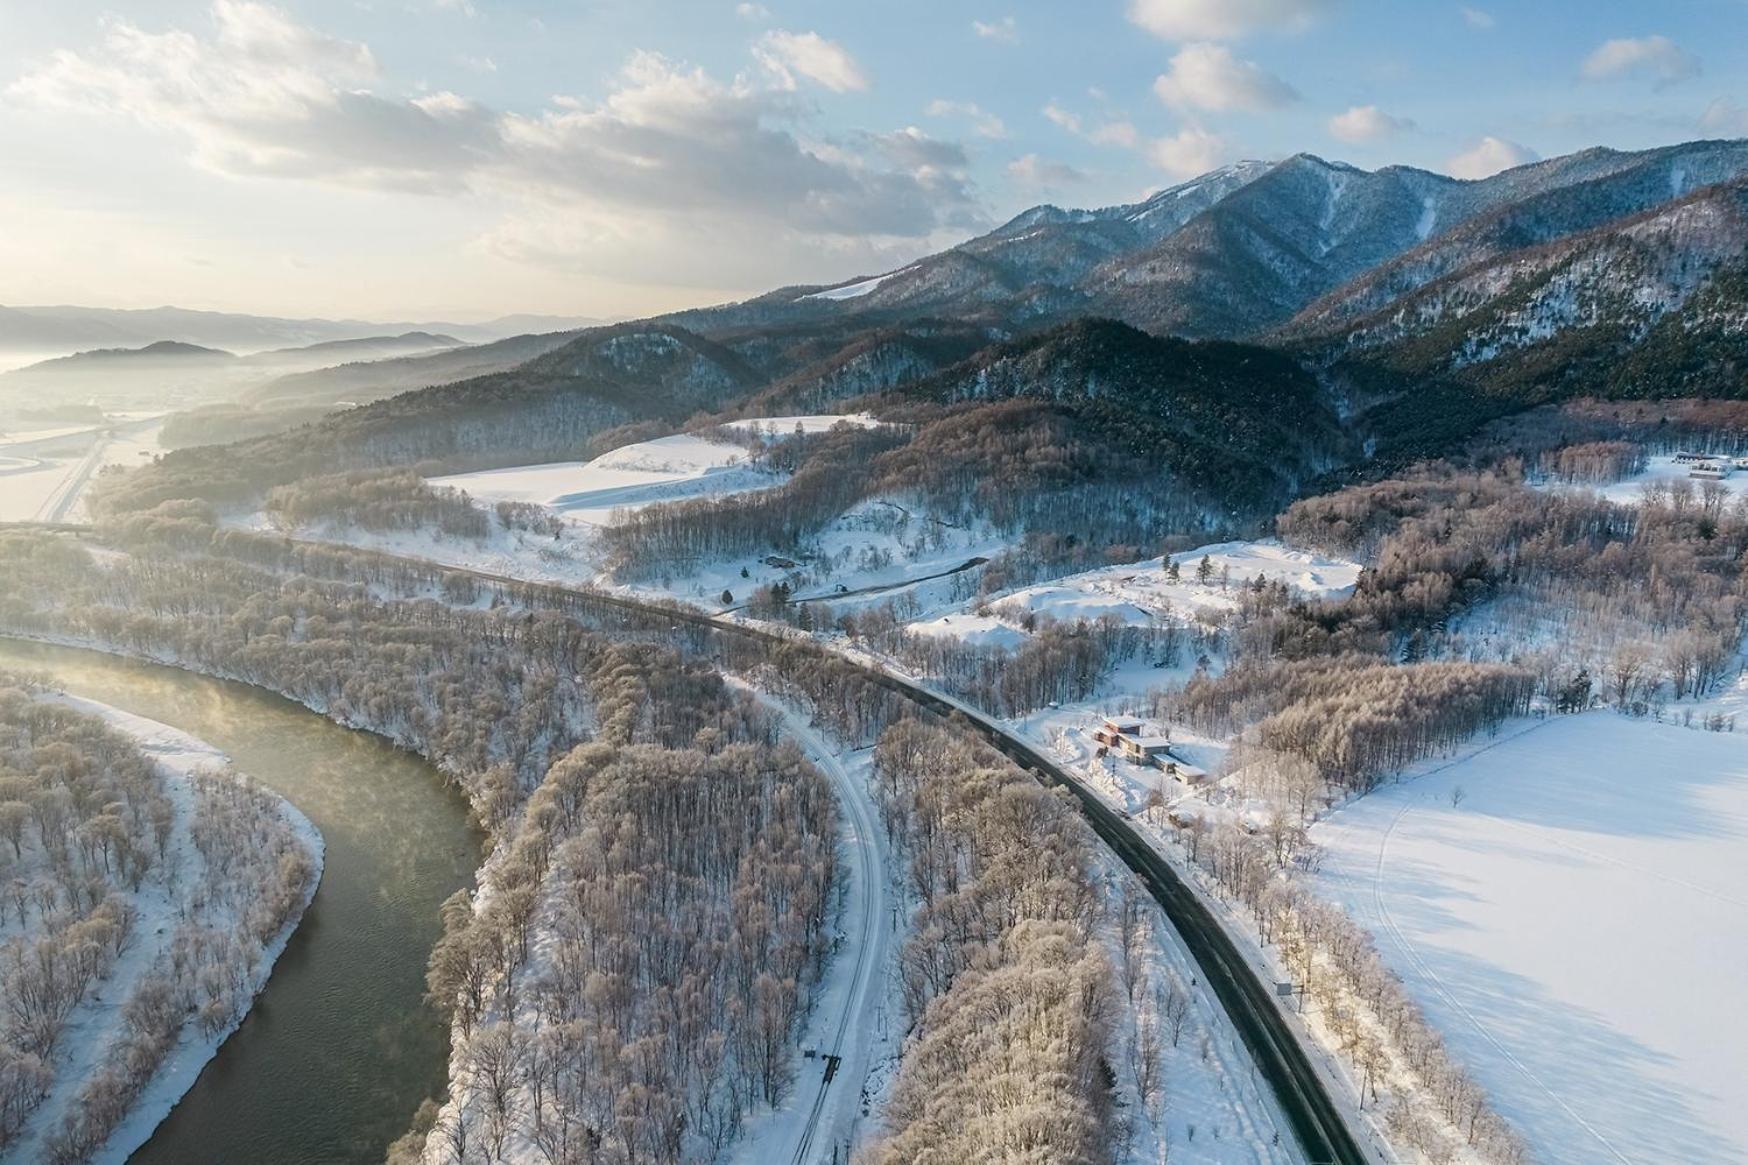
588	492
44	472
877	546
1659	471
1569	904
95	1024
1143	593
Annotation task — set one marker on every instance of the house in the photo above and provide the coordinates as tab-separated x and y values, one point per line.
1713	470
1114	729
1130	739
1144	750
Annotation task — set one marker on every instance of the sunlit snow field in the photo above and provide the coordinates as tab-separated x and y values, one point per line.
1577	924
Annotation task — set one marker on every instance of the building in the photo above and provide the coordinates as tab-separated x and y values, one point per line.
1114	729
1131	740
1180	770
1712	470
1145	750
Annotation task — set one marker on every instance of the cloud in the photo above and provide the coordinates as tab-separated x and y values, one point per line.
1031	170
1191	152
1367	123
1477	19
1115	133
668	159
1489	156
1003	31
1222	19
1108	133
983	123
266	96
807	54
754	12
1062	118
1208	76
913	150
1655	57
1726	117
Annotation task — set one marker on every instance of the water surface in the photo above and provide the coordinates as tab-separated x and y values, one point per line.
339	1049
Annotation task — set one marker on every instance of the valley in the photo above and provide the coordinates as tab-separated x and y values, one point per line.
1246	675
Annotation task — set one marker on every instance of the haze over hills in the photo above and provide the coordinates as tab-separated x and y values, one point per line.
65	329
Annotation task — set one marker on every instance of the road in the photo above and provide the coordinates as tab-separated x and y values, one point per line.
830	1121
1316	1120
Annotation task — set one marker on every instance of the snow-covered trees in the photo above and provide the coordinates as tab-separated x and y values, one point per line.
388	500
681	896
1011	1000
108	836
651	925
1353	717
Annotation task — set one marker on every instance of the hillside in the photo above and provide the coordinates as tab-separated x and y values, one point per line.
548	408
1234	423
366	378
1651	305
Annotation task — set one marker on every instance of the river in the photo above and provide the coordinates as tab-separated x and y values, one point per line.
340	1048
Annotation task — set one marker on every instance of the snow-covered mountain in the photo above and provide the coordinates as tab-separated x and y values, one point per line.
1244	249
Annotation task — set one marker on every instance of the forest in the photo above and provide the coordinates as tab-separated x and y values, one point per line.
651	923
188	876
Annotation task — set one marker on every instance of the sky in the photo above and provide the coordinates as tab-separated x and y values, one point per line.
462	159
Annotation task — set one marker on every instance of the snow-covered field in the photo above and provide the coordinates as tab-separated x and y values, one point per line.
44	472
1142	593
1570	906
1659	471
588	492
96	1023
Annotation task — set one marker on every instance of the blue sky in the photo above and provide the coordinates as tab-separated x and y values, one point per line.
462	158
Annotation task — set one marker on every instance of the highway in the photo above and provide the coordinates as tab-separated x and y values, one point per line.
1316	1121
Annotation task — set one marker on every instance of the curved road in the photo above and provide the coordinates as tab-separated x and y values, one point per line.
1316	1120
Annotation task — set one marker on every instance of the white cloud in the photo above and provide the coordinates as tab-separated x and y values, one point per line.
1222	19
754	12
1063	118
1108	133
1191	152
1477	19
1367	123
1489	156
1031	170
1003	31
983	122
1655	57
668	161
478	64
1116	133
808	54
1726	117
1208	76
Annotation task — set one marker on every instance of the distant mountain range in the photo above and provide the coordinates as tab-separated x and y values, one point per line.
70	329
1390	312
